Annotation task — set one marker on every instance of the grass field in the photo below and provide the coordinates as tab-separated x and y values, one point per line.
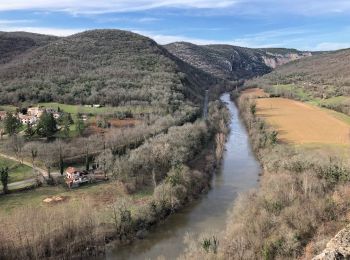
75	109
301	123
17	171
99	194
8	108
295	90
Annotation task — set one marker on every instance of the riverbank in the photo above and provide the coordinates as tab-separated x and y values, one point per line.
83	227
237	173
301	201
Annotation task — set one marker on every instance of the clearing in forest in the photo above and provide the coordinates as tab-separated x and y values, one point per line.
301	123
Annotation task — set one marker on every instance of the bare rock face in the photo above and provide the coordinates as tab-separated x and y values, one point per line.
275	60
338	247
233	62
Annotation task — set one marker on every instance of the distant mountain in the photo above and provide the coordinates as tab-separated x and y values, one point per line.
232	62
15	43
323	75
101	66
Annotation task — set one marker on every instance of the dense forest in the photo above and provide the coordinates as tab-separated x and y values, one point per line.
101	66
15	43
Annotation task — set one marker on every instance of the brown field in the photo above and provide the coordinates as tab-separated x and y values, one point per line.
115	123
300	123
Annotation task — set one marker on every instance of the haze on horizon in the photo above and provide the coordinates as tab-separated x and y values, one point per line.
315	25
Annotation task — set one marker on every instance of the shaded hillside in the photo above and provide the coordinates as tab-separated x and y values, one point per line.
323	75
15	43
102	66
232	62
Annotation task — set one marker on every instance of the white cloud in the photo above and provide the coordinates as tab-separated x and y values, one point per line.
105	6
41	30
165	39
330	46
127	19
11	22
251	41
252	7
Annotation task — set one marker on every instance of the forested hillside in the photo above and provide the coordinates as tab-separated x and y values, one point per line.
101	66
15	43
232	62
325	74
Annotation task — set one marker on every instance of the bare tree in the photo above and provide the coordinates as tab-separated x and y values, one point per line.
48	155
32	149
16	144
105	161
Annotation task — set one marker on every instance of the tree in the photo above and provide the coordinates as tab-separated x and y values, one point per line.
66	121
4	172
2	130
47	125
48	155
105	160
88	145
61	148
15	144
29	132
32	149
11	124
80	126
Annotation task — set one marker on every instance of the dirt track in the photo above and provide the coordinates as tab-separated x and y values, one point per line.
301	123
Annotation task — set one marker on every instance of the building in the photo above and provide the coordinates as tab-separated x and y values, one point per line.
35	111
56	115
75	177
72	173
27	119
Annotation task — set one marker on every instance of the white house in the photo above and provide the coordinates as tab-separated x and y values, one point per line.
72	173
27	119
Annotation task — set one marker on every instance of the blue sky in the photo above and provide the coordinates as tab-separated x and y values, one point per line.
301	24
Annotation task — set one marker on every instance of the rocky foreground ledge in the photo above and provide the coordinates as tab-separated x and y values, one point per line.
338	247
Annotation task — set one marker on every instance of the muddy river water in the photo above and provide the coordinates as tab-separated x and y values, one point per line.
239	172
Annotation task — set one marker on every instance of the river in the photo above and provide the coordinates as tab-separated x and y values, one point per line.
239	172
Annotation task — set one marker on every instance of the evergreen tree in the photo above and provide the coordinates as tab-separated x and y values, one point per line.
47	125
66	121
80	126
11	124
4	176
29	132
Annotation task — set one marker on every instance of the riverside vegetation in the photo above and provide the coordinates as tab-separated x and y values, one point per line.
82	229
302	201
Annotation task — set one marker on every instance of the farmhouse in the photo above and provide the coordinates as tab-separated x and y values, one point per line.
27	119
75	177
72	173
35	111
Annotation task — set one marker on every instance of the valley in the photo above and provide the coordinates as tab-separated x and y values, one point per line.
114	146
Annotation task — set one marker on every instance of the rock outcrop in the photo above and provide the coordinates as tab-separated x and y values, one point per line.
338	247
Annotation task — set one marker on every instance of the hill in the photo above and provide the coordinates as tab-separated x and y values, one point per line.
102	66
15	43
323	75
232	62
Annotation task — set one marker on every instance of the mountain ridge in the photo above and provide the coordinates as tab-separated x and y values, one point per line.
233	62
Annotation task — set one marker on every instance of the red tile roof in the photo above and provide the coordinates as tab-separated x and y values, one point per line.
71	170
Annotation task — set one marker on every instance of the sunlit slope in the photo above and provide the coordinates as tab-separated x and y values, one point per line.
300	123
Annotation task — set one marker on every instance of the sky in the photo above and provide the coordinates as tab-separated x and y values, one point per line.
302	24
